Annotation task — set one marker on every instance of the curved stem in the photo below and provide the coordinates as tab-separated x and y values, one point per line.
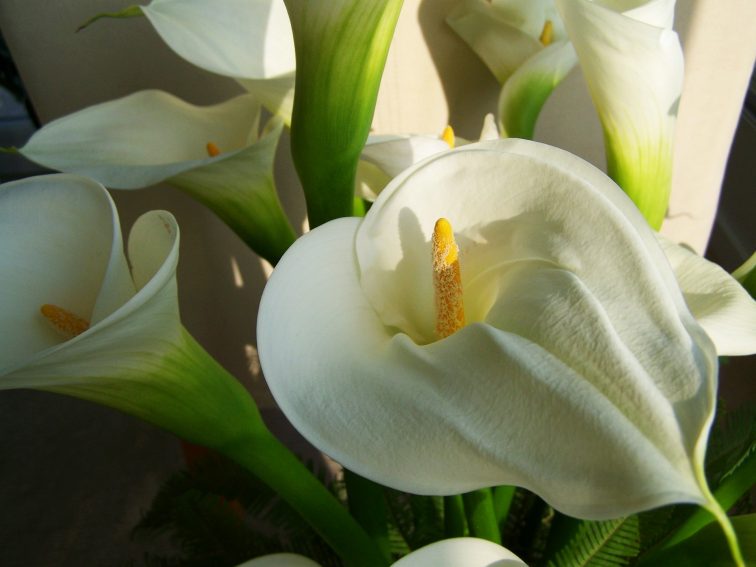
368	506
454	516
481	517
729	532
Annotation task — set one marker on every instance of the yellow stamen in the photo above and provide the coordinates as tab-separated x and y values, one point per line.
212	149
65	322
448	136
447	280
547	35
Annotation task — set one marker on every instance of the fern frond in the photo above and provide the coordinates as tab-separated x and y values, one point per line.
609	543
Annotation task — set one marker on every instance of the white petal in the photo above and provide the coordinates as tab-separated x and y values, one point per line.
498	41
634	71
489	131
394	154
244	39
393	244
42	262
718	302
632	60
143	138
129	340
280	560
461	552
276	94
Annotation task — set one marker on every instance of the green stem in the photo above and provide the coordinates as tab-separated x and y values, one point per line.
275	465
729	532
454	516
481	518
727	493
502	501
368	506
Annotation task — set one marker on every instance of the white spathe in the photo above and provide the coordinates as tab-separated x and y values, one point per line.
507	36
715	298
62	246
144	138
248	40
455	552
385	156
151	136
633	64
505	33
580	374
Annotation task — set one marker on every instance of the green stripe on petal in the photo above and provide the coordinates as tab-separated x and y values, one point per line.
341	48
526	91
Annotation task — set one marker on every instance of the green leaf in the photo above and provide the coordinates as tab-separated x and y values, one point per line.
732	438
709	548
604	544
341	48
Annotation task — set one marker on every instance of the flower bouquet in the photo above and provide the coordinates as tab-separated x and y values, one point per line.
506	360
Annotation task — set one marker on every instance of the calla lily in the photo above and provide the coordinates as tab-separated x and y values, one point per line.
720	304
633	64
341	48
386	156
248	40
110	334
213	153
525	46
455	552
81	320
563	375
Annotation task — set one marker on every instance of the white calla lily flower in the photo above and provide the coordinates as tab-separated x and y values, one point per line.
633	64
248	40
79	321
525	46
454	552
461	552
506	33
594	389
386	156
211	152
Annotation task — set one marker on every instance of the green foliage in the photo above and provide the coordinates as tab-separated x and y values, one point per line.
731	440
708	547
419	520
217	514
601	544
